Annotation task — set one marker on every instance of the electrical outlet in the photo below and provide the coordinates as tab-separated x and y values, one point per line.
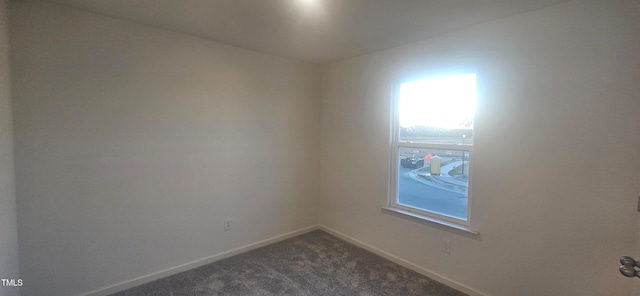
446	245
227	224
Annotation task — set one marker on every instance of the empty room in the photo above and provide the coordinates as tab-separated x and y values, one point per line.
319	147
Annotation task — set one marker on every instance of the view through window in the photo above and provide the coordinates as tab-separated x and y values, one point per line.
433	139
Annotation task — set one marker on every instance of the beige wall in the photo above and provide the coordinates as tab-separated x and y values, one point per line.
556	163
133	144
8	222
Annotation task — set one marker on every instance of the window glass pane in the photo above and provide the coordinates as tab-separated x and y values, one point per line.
438	110
434	180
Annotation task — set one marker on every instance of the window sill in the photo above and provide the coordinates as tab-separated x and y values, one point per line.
433	222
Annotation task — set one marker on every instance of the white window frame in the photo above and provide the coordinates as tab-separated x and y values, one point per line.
426	217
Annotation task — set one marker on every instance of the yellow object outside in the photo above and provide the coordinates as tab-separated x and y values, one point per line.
435	165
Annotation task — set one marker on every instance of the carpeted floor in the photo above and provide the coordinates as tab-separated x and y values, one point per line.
314	263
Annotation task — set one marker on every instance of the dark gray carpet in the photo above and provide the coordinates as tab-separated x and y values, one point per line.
315	263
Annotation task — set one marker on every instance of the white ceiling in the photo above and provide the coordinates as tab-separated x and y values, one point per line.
316	31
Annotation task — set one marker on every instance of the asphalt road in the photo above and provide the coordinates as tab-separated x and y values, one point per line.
420	195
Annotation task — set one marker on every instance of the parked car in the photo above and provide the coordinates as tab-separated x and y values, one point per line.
412	162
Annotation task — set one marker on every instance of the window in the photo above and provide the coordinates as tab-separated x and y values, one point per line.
432	141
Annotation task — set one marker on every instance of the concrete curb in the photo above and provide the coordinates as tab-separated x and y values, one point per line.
437	182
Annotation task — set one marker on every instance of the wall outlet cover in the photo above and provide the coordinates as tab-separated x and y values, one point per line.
446	245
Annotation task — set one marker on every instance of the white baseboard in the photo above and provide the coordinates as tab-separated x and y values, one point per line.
207	260
419	269
193	264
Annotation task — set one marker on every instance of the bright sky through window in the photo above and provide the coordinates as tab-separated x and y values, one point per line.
446	102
